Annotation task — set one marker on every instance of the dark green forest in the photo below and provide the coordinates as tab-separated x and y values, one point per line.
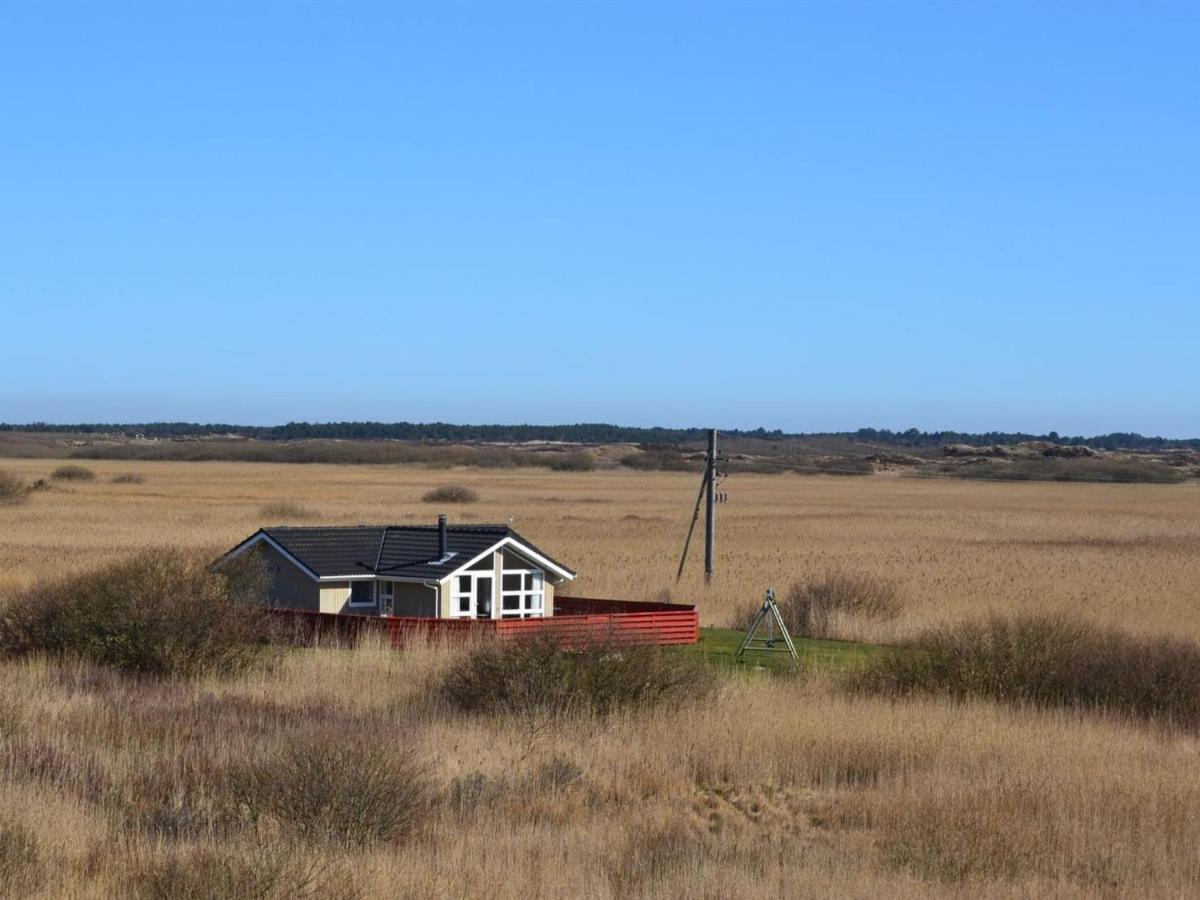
589	433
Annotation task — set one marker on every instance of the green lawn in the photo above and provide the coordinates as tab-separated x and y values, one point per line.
718	645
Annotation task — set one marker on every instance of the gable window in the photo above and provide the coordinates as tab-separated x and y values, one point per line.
522	594
362	593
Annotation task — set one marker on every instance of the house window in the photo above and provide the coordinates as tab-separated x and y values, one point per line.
362	593
471	597
522	594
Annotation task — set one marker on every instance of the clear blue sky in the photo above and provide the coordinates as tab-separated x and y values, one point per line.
803	216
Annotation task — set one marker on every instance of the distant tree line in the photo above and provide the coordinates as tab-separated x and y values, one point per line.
588	433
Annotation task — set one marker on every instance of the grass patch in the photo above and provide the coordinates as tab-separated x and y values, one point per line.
163	612
72	472
718	646
539	676
1048	660
451	493
286	511
13	489
127	478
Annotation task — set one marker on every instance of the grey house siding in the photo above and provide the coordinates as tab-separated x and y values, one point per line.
291	587
415	600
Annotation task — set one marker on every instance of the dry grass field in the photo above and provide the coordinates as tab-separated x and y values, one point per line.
1118	554
779	786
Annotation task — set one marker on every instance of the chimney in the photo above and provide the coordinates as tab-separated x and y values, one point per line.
441	537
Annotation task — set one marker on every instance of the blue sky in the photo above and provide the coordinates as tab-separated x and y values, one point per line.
801	216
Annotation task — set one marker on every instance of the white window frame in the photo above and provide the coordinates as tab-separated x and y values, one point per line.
531	596
350	604
457	593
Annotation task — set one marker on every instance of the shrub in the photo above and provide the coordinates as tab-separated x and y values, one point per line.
343	789
285	510
73	473
539	676
262	872
12	489
127	478
578	461
451	493
20	860
162	612
1120	471
1048	660
811	608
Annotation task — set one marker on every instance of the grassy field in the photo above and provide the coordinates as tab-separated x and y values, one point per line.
776	786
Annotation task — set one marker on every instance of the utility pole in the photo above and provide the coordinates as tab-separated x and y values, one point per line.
710	518
709	492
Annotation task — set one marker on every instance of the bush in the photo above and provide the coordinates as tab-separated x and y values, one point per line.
285	510
73	473
811	608
343	789
127	478
451	493
263	873
579	461
539	676
163	612
12	489
1119	471
1048	660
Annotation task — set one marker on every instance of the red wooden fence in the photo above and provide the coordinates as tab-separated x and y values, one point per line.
577	621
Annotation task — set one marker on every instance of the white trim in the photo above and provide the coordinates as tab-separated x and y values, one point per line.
525	550
504	542
266	538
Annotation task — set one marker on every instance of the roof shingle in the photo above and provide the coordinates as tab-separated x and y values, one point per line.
402	551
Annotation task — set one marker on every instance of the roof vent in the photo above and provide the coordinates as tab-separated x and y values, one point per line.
441	537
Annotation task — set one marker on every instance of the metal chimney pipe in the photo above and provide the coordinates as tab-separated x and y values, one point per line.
441	537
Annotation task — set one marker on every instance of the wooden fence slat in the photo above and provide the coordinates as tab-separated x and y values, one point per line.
578	621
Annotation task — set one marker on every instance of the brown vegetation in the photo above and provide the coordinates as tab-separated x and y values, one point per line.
161	612
157	787
1049	660
450	493
834	603
537	676
127	478
13	489
283	511
73	472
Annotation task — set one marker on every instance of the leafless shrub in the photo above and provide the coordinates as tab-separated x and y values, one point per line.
162	612
264	872
73	472
127	478
285	511
344	789
451	493
1048	660
12	489
538	675
20	860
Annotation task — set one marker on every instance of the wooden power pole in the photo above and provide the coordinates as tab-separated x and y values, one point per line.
710	520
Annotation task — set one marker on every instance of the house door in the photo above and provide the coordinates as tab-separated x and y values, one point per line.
483	596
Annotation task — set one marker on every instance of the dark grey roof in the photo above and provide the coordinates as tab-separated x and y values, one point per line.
401	551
